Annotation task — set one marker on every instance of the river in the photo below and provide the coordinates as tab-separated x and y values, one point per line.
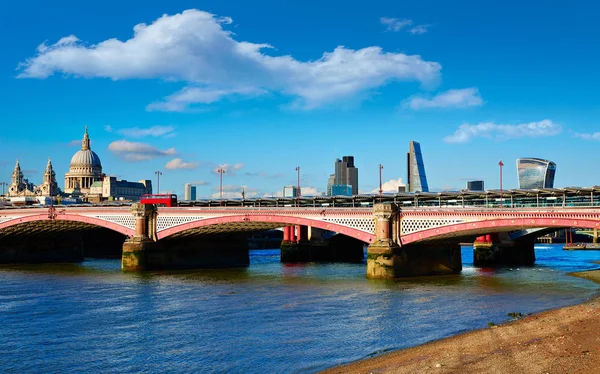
269	317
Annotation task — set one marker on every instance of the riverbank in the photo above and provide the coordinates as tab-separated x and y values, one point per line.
565	340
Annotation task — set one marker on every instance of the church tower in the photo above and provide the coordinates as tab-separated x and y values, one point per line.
16	184
49	186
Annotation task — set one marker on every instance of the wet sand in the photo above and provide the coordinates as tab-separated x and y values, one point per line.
565	340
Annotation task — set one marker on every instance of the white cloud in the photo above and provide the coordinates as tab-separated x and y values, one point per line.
457	98
395	24
419	29
199	183
137	132
177	164
593	136
234	192
181	100
491	130
309	191
230	169
390	186
132	151
193	47
155	131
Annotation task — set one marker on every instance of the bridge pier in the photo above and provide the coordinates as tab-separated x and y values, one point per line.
386	259
383	255
137	250
306	244
491	251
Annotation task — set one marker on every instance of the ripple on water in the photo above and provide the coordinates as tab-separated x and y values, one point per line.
268	317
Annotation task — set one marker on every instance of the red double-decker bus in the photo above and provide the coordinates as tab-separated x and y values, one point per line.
159	199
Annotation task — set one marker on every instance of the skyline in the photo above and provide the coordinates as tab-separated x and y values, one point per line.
279	86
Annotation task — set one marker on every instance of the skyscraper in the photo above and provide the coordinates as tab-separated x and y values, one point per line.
346	174
535	173
189	192
475	186
417	180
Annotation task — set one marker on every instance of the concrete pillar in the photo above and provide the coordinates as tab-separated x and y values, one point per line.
381	254
387	259
500	251
135	249
595	237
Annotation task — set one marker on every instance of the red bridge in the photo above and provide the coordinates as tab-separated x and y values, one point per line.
410	241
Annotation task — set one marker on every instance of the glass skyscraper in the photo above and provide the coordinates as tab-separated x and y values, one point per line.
346	174
535	173
417	180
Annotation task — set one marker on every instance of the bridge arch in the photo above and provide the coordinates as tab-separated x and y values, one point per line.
69	217
281	220
494	225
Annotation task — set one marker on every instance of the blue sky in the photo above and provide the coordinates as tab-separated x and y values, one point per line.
260	89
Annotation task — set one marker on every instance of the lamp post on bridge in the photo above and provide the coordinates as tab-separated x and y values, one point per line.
158	174
298	187
220	171
380	184
501	165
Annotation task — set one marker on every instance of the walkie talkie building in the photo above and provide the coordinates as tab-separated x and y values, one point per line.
535	173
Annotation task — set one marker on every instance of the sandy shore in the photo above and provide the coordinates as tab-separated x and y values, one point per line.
565	340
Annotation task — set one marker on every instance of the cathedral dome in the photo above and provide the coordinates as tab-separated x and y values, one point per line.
86	158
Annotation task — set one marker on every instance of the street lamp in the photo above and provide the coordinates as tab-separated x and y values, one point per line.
501	165
158	174
298	189
221	171
380	185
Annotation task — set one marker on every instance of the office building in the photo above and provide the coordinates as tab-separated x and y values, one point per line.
189	192
417	180
110	188
290	191
475	186
345	173
535	173
341	190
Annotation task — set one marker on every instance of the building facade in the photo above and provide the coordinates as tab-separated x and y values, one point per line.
341	190
290	191
416	177
21	187
110	188
475	186
189	192
535	173
84	170
345	173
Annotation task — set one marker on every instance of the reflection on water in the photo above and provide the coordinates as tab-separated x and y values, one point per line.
268	317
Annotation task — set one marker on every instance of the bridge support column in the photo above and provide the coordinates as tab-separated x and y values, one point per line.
136	249
382	258
495	252
297	249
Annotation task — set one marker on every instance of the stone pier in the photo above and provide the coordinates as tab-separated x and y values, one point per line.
137	249
382	255
307	244
495	250
387	259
